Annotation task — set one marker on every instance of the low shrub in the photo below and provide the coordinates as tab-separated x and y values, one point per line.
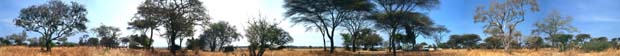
596	46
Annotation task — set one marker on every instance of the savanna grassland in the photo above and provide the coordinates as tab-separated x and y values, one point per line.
101	51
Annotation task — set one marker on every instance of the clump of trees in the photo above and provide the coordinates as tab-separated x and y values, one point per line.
178	18
108	35
367	39
597	44
325	15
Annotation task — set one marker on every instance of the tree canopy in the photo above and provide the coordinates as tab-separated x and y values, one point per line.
53	20
218	35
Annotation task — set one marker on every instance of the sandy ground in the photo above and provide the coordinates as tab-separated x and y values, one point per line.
100	51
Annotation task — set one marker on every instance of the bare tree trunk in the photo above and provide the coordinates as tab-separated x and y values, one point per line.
48	44
150	40
392	41
323	34
354	36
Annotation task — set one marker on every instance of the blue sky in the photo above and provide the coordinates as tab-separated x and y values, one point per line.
595	17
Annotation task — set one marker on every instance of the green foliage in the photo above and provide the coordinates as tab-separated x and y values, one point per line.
326	15
535	42
501	18
563	39
596	46
218	35
108	34
139	41
463	41
582	37
261	34
229	48
603	39
493	42
18	39
53	20
615	42
195	44
34	42
92	41
69	44
554	23
5	41
178	17
368	38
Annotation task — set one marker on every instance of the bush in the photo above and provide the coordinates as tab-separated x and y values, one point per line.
596	46
135	45
229	48
69	44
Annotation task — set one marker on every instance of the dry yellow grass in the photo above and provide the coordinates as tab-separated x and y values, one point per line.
99	51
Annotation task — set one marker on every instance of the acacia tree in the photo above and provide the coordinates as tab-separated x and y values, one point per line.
354	24
463	41
108	35
262	34
177	16
324	14
393	10
581	38
501	19
53	20
438	32
147	19
554	24
219	34
562	40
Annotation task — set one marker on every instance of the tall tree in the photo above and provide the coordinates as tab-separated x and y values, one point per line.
394	10
108	35
53	20
554	24
219	34
148	18
262	34
177	16
416	25
354	24
502	18
324	14
438	34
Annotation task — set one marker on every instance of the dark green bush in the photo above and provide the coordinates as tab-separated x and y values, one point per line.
596	46
69	44
229	48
